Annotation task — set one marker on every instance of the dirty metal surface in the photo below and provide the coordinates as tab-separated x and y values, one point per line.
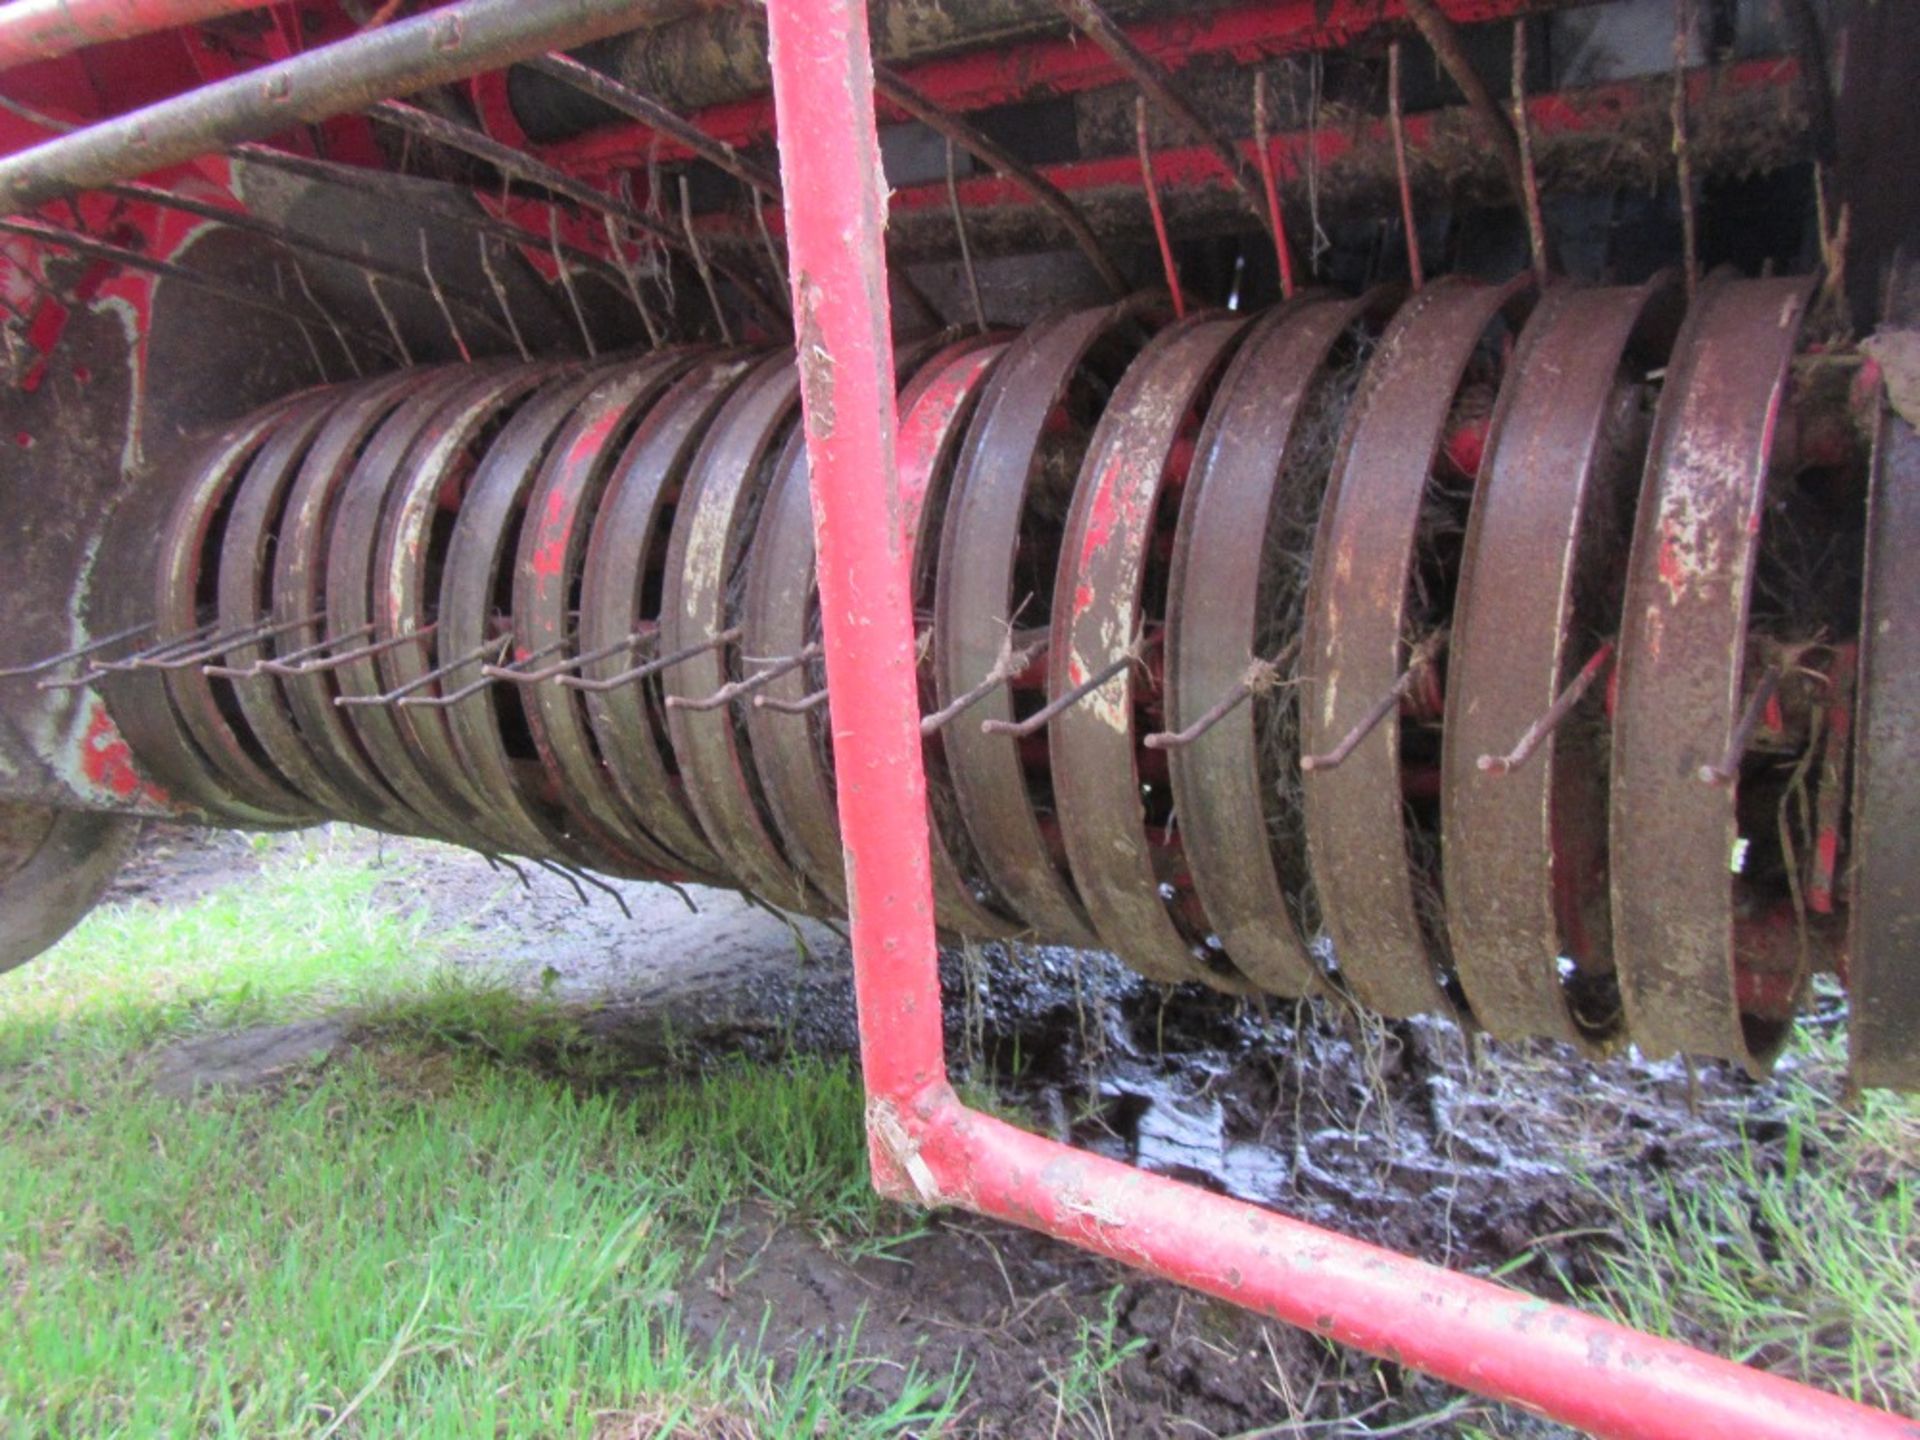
480	550
410	578
188	590
54	865
1884	973
1238	486
1356	647
300	593
934	411
245	594
1539	593
713	524
1684	675
1022	448
138	700
1128	878
351	604
780	616
553	539
620	597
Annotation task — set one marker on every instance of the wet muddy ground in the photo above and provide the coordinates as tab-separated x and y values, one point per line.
1401	1134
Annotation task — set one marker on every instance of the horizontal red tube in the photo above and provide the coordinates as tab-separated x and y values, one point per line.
1547	1358
47	29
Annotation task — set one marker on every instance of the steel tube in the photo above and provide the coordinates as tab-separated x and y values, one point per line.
450	43
925	1145
33	30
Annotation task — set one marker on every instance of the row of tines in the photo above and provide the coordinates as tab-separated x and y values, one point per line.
1476	651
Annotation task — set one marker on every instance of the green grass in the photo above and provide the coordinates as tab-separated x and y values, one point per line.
1804	1259
477	1218
469	1223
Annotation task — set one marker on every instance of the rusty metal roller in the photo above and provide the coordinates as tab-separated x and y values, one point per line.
1480	652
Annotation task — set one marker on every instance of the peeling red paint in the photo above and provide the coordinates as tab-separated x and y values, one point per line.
109	763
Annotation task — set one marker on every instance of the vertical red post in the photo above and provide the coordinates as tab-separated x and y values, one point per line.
836	217
1548	1358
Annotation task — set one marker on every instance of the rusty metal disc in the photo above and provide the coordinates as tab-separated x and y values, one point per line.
299	593
1250	499
1389	946
1109	603
192	546
999	545
713	524
1526	872
247	548
553	537
781	616
488	728
934	412
621	582
1883	978
138	700
412	559
352	604
1683	680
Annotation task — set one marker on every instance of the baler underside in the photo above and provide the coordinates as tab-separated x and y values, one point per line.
1404	505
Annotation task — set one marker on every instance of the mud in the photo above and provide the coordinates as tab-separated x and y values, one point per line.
1405	1134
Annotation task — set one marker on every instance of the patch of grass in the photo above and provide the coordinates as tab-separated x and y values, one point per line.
1080	1398
470	1223
1801	1256
310	933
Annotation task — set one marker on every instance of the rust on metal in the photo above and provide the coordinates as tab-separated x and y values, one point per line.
1682	674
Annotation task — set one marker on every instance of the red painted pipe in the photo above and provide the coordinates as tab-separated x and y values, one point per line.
925	1145
47	29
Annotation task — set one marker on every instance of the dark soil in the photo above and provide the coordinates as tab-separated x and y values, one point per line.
1403	1134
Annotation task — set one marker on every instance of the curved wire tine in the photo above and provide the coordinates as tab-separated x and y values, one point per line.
513	675
1012	662
966	249
1416	272
493	670
284	664
163	648
1152	188
1260	675
1020	729
499	289
1423	656
1529	178
240	672
1263	156
1728	770
454	697
221	644
497	862
1563	705
705	271
554	867
426	678
805	705
728	693
78	652
347	657
574	875
652	667
97	670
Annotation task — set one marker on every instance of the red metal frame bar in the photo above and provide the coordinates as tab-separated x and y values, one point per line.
976	80
33	30
924	1144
